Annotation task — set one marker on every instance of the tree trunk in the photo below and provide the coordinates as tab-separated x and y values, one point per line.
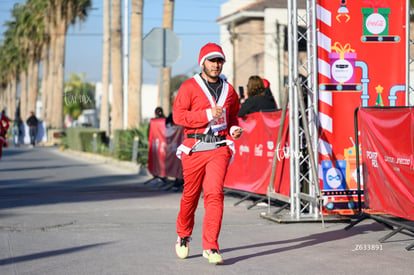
8	100
104	116
135	65
43	88
35	83
168	19
23	94
13	92
51	78
32	82
60	72
116	66
2	97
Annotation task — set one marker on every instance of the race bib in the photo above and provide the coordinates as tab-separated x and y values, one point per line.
220	123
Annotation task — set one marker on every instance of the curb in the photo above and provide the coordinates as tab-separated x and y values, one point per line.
129	165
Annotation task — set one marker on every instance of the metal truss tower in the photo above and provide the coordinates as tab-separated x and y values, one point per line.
303	113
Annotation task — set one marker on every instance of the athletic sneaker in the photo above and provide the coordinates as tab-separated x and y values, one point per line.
182	247
213	256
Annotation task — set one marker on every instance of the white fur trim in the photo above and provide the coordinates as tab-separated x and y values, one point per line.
211	55
209	114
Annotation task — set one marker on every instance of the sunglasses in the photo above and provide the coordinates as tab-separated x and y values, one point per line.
216	60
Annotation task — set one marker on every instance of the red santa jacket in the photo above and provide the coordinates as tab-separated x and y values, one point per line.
4	124
192	109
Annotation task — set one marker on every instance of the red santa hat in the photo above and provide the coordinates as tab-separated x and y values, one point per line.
210	51
266	82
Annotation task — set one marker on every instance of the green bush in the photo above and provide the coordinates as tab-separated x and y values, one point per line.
81	139
86	138
64	142
143	144
124	143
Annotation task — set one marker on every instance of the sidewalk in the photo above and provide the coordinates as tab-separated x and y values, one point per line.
86	216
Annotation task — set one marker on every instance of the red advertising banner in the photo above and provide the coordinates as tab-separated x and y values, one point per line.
163	143
387	143
252	165
361	62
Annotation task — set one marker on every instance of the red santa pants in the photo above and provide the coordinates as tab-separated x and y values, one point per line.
203	171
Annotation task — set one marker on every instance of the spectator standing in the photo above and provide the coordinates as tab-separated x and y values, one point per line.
268	91
17	131
257	98
32	122
206	106
159	113
169	120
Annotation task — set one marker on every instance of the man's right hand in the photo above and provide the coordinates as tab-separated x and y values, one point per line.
217	111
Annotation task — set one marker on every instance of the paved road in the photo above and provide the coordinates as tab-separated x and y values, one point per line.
65	214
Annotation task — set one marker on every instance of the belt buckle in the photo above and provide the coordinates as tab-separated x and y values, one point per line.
220	145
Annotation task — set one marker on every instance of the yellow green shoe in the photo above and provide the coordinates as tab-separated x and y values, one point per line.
213	256
182	247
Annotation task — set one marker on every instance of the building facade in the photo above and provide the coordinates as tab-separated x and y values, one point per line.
253	36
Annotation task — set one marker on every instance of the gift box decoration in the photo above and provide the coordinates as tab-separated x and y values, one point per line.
351	173
376	21
342	61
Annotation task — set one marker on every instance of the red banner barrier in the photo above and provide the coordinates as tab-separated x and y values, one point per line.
387	143
163	143
252	165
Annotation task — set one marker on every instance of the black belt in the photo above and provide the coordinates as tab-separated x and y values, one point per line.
207	138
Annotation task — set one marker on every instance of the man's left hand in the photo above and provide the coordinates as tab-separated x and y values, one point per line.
237	133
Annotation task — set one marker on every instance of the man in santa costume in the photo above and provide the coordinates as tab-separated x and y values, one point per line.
4	126
207	107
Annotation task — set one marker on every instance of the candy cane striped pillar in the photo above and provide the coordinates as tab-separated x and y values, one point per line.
325	97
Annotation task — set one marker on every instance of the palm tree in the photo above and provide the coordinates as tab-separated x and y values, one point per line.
63	14
39	45
10	62
45	73
50	59
59	25
4	84
18	44
35	35
79	95
135	65
116	65
104	115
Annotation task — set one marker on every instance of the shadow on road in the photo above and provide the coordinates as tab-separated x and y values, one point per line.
40	176
52	253
42	167
300	243
35	191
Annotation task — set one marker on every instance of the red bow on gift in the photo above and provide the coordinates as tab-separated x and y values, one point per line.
375	3
342	50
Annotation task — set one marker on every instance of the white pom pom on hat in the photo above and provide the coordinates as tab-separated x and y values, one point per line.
210	51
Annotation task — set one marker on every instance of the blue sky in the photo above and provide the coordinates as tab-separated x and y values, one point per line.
194	24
